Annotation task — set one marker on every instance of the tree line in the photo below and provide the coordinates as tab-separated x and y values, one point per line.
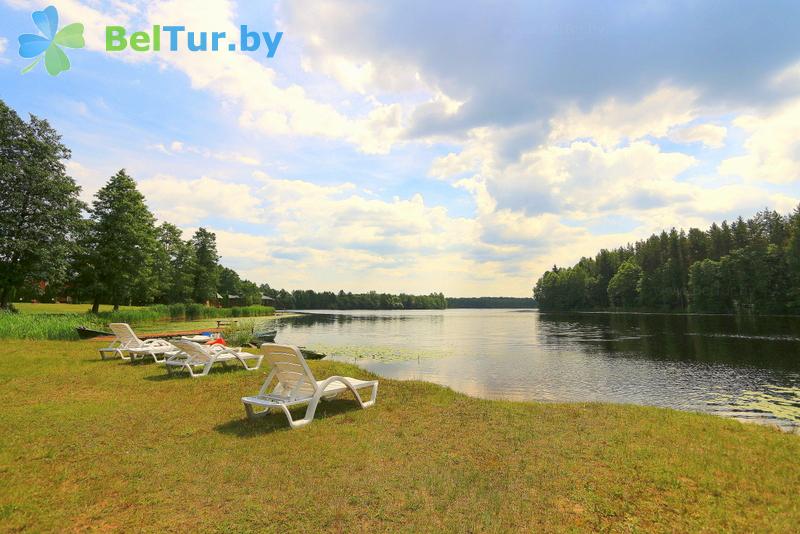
490	302
111	250
748	266
328	300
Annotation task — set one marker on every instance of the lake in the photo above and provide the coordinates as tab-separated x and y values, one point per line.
747	368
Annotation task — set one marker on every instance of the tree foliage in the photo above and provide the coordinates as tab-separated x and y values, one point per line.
490	302
123	242
206	272
746	266
328	300
39	206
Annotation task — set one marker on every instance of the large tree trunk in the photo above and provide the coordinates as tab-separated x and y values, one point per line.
96	304
4	298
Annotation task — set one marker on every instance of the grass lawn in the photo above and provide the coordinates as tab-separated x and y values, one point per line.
28	307
106	445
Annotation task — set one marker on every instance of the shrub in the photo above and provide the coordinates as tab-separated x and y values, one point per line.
194	311
237	335
177	311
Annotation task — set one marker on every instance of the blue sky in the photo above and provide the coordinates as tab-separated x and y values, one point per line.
411	146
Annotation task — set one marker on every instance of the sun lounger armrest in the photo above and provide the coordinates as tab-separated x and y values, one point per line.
267	382
343	379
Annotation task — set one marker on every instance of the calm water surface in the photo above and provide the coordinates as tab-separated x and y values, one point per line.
747	368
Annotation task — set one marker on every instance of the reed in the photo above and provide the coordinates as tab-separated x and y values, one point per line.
61	326
240	334
42	326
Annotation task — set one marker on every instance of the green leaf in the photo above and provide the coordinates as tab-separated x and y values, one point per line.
29	67
55	60
71	36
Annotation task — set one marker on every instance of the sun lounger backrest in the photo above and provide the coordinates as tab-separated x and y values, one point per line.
196	352
290	368
125	335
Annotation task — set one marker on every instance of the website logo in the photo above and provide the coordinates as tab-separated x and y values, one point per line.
49	43
178	38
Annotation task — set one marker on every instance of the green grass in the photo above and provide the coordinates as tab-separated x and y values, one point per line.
28	307
106	445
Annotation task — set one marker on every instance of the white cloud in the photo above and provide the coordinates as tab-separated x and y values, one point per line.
179	147
583	179
788	79
188	202
3	47
94	20
89	179
711	135
772	147
613	120
363	73
264	104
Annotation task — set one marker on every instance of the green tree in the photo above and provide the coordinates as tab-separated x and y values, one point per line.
623	289
175	267
705	287
249	292
754	267
39	206
229	283
123	243
793	260
206	272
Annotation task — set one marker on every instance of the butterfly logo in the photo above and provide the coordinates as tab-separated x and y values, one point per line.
49	43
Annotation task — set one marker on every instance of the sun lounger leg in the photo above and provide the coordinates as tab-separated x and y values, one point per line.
206	370
372	398
305	420
243	361
252	414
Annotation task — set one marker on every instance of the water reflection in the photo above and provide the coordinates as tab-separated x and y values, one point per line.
747	368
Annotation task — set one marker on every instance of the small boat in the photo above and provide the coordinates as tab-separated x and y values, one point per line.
309	354
267	336
88	333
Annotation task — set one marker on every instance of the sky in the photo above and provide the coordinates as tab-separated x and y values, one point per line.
416	146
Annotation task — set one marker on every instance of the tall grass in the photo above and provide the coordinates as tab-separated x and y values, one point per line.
240	334
62	326
40	326
189	312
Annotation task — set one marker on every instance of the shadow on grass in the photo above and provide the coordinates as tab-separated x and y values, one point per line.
182	373
276	421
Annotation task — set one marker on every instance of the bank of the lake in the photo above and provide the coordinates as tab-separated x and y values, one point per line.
91	444
59	321
734	366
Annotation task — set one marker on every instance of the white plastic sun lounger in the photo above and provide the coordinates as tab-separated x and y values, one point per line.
297	385
129	347
192	355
